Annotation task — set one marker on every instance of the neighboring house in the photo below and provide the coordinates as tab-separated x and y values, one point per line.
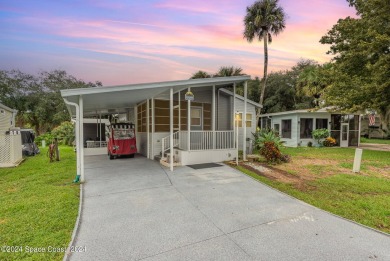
167	121
295	127
10	139
374	131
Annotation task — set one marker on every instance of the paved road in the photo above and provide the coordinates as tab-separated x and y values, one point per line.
135	210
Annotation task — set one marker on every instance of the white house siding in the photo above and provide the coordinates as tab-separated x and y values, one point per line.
249	109
5	120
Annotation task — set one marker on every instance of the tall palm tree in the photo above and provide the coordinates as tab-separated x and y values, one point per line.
200	74
263	19
227	71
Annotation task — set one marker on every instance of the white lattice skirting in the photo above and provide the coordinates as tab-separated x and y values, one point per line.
10	150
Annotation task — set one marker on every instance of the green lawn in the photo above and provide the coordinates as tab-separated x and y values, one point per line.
39	205
377	141
364	197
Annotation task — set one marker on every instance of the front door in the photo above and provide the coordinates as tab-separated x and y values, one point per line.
344	135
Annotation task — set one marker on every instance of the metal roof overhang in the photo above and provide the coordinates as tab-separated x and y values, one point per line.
117	99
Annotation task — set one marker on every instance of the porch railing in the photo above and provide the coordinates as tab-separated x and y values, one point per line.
207	140
165	142
200	140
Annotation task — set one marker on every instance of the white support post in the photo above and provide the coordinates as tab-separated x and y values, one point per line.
189	123
171	129
244	121
100	130
179	120
81	139
153	129
213	118
147	129
234	113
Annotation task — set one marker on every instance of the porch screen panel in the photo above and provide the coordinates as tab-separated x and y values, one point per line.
306	128
286	129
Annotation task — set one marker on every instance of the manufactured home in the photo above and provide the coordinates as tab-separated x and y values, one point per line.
295	127
183	122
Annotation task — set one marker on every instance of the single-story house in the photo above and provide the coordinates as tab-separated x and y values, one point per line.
186	122
295	127
10	139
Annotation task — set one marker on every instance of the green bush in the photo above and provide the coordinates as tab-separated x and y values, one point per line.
47	137
266	135
320	134
64	133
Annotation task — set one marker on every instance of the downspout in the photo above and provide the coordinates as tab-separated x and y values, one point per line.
77	178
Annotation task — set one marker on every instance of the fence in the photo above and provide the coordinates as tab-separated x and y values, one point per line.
10	149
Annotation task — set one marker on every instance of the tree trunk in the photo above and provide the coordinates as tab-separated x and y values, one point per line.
385	121
265	77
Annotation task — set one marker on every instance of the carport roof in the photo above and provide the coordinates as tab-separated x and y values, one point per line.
116	99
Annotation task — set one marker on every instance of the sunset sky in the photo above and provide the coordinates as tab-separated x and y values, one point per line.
133	41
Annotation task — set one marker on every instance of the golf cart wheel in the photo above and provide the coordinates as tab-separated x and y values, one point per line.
111	156
132	155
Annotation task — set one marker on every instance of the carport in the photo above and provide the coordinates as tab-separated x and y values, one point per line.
118	99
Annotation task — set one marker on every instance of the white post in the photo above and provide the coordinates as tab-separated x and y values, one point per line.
81	139
171	129
77	136
236	121
147	129
100	130
153	129
244	121
234	113
357	160
189	123
213	118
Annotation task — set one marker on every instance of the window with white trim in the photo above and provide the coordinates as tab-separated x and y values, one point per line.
248	120
196	116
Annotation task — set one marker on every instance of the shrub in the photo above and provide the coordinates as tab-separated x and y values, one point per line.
270	151
310	144
64	133
47	137
262	136
320	134
329	142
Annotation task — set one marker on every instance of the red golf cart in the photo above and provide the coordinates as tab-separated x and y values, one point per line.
121	140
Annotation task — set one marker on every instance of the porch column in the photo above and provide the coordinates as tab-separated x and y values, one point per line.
100	130
244	121
213	118
153	130
189	123
81	138
147	129
234	115
171	129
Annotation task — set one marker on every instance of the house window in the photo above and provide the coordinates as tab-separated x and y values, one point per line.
266	123
286	129
248	120
277	128
321	123
306	128
196	116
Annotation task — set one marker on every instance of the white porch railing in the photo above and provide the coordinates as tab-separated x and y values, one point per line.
204	140
96	144
165	142
200	140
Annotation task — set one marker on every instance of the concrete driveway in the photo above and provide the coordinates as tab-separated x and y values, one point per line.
136	210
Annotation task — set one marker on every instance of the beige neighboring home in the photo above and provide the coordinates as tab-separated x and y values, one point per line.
10	139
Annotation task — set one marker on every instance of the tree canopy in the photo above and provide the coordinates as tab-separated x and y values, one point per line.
37	98
361	64
262	20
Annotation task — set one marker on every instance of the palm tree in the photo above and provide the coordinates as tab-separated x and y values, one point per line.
200	74
227	71
263	19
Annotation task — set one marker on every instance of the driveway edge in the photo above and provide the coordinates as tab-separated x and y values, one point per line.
76	226
335	215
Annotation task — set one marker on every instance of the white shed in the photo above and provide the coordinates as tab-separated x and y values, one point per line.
295	127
